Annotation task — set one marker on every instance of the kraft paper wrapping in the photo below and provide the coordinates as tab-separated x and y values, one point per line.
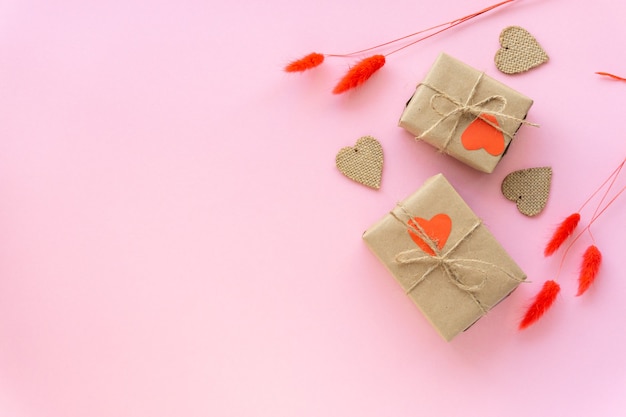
477	260
458	81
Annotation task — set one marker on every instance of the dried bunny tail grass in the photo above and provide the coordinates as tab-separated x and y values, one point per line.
360	73
565	229
310	61
592	258
542	303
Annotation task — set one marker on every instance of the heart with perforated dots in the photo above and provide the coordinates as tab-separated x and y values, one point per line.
520	51
363	162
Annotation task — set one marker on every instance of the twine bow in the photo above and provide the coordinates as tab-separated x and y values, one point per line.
460	108
444	261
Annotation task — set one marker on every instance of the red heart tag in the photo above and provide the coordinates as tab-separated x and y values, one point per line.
481	135
437	229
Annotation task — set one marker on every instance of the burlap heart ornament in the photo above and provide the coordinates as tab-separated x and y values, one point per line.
529	188
519	51
363	162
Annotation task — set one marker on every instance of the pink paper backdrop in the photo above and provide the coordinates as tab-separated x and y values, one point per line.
175	239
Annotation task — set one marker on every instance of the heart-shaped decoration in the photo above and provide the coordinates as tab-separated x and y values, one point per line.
362	163
481	135
520	51
529	188
437	229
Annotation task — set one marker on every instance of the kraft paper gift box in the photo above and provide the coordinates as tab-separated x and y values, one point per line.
465	113
443	256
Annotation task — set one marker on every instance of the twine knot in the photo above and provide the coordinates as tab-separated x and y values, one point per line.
478	110
475	109
444	261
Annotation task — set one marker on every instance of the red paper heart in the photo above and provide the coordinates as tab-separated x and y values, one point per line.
437	229
481	135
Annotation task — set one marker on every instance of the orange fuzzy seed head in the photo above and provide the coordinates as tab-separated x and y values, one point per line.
303	64
565	229
360	73
541	303
589	269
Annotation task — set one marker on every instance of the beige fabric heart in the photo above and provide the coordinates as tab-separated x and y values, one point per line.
529	188
520	51
362	163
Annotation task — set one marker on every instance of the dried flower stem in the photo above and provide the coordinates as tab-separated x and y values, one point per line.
592	258
613	175
452	24
615	77
613	178
448	25
593	219
566	228
365	68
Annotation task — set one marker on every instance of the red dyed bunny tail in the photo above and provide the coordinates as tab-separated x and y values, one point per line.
589	269
542	302
565	229
360	73
303	64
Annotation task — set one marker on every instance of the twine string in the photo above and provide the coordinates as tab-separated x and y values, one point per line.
450	266
478	110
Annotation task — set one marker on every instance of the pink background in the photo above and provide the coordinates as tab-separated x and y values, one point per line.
175	239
